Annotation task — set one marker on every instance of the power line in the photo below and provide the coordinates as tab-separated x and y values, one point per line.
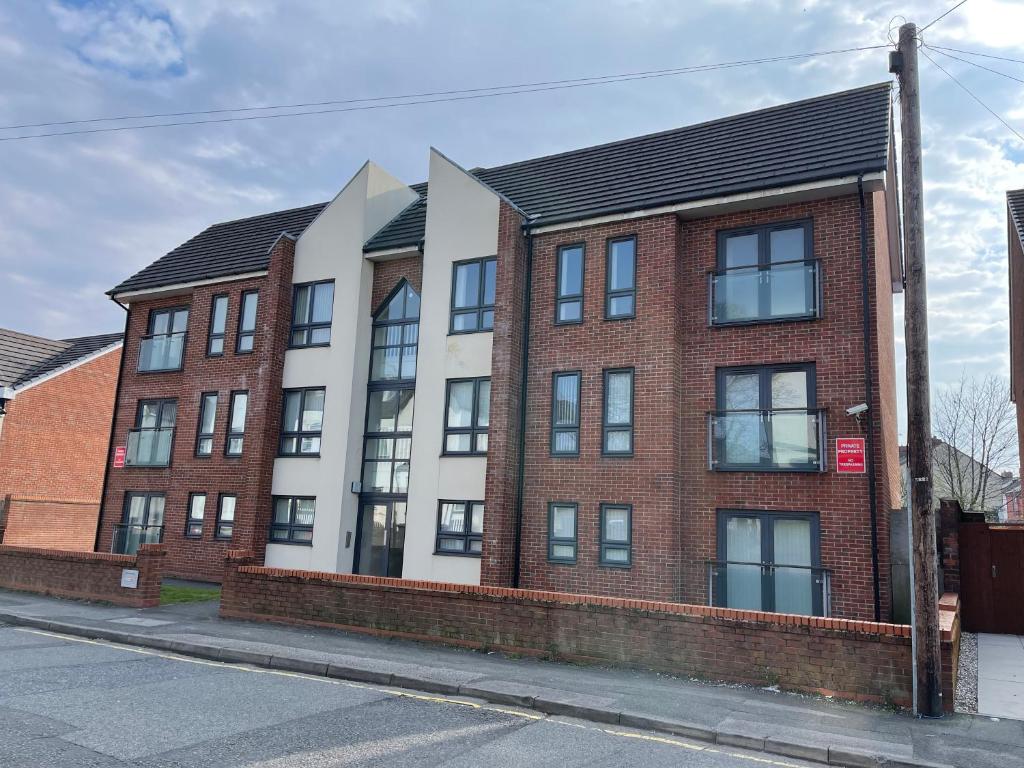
940	18
975	64
412	100
974	53
973	96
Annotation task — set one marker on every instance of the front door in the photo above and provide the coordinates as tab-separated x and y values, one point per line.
381	538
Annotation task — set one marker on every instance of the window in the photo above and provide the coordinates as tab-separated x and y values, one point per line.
142	522
473	285
225	527
765	273
312	310
620	279
207	419
569	291
150	442
247	323
562	532
767	420
163	346
196	510
460	528
395	336
770	561
565	414
617	428
616	535
236	424
302	422
218	323
293	520
467	415
388	441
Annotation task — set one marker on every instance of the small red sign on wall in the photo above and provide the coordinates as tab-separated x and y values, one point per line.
119	454
850	457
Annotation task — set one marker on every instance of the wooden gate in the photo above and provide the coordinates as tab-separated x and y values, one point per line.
992	578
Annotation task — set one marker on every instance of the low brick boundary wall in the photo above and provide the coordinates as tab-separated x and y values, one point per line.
854	660
49	523
83	575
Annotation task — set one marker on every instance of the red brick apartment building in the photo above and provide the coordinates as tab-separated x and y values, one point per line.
1015	246
56	403
620	370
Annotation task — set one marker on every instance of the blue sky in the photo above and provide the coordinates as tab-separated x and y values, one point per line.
80	213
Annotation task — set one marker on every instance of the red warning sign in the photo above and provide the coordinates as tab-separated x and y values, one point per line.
119	454
850	458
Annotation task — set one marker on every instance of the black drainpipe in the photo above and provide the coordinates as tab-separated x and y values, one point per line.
113	421
869	443
525	362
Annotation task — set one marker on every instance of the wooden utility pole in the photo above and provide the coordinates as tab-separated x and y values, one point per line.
927	648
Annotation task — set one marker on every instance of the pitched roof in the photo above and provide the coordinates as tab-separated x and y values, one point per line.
841	134
24	357
1015	204
406	228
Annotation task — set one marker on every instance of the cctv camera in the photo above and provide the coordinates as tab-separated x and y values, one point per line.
856	410
6	395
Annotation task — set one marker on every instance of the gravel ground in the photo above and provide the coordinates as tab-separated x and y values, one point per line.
967	674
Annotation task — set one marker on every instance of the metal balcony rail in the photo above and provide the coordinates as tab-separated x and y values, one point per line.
128	538
161	352
149	447
783	439
774	587
788	290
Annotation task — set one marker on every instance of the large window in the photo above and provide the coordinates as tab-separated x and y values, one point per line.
196	512
616	535
460	528
150	442
293	520
225	527
312	310
767	420
620	279
218	325
395	336
562	531
236	424
247	322
569	285
770	561
467	416
302	422
207	420
163	346
473	286
565	414
388	441
617	426
765	273
142	522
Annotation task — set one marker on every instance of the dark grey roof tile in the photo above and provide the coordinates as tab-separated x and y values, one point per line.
24	357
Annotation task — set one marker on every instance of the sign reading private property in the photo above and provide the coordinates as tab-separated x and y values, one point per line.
119	453
130	578
850	456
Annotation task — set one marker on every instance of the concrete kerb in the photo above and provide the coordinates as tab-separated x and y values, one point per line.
838	756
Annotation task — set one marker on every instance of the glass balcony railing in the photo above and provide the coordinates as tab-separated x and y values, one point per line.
128	538
161	352
775	587
786	439
149	447
783	291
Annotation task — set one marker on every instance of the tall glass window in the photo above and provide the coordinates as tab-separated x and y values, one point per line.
618	412
565	414
207	420
218	325
312	311
473	289
247	322
620	279
302	421
569	285
467	416
236	423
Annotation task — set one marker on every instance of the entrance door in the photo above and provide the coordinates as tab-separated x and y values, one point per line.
381	538
142	522
992	578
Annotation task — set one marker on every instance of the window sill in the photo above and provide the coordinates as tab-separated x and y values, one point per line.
620	566
290	543
461	454
475	555
765	321
298	456
470	333
605	455
619	317
561	562
569	322
193	538
179	369
771	470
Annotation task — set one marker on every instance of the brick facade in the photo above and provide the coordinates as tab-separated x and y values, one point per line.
53	442
248	476
386	275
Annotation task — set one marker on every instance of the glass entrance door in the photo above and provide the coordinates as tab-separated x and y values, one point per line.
381	538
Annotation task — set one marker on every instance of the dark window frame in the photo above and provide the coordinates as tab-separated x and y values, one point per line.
190	521
291	527
309	325
229	433
298	435
136	426
554	541
609	293
221	335
631	426
200	435
556	430
126	506
219	523
380	321
481	306
472	430
243	333
153	314
466	536
566	298
604	542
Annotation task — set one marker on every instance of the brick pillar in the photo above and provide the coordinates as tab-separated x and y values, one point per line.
233	560
497	562
149	562
949	544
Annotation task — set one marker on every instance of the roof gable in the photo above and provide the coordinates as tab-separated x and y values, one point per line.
24	358
1015	205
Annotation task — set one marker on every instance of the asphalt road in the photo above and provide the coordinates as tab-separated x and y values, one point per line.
71	702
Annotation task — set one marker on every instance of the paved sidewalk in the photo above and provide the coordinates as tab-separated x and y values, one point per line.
1001	675
789	724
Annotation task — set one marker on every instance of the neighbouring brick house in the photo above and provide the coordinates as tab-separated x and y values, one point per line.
56	403
1015	254
618	370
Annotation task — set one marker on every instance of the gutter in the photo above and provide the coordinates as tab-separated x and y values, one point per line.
113	422
517	539
869	442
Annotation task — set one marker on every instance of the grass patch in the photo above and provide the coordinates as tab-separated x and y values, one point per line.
173	595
